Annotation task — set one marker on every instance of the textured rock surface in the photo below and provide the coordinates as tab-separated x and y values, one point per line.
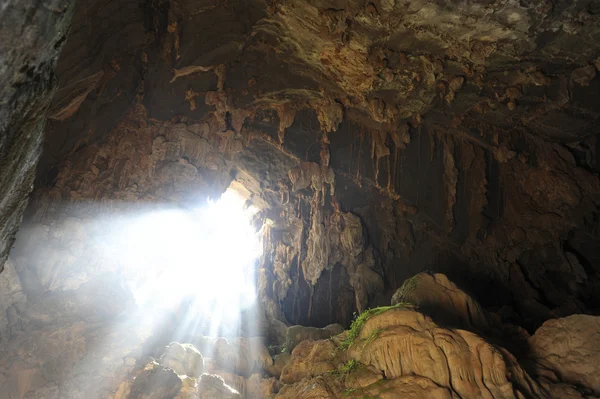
297	334
183	359
438	297
31	37
399	351
569	348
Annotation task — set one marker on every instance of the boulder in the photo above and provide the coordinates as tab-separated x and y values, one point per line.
155	382
449	306
568	350
184	359
296	334
212	386
309	359
241	355
395	352
279	362
440	298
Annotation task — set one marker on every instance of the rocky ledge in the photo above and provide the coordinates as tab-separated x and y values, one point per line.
408	349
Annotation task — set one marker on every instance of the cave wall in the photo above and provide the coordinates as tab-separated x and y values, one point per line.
31	37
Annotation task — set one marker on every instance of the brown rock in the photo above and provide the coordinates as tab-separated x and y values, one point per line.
242	355
213	386
184	359
296	334
309	359
584	75
570	348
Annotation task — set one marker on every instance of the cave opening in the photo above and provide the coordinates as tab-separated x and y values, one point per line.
200	259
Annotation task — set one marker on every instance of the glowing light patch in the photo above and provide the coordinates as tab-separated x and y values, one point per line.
205	255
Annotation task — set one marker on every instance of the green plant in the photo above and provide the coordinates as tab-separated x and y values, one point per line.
347	368
359	322
283	349
407	287
373	336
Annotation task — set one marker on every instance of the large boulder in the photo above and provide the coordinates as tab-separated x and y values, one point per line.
155	382
184	359
309	359
440	298
568	350
279	362
398	352
253	387
449	306
297	334
212	386
242	355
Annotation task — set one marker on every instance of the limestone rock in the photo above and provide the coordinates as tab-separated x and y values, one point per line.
31	41
253	387
399	351
439	298
277	332
213	387
584	75
184	359
242	355
296	334
279	362
408	343
11	294
329	387
309	359
570	348
155	382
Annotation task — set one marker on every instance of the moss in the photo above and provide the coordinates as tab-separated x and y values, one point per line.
373	336
408	287
347	368
350	366
359	322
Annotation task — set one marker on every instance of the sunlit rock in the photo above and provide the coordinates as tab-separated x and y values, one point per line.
213	387
155	382
412	354
242	355
184	359
309	359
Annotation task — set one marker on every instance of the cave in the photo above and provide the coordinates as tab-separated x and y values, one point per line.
250	199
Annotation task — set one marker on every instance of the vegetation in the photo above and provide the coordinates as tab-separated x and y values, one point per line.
359	322
373	336
347	368
408	286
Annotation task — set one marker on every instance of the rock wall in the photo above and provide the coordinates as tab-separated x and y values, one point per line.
31	37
